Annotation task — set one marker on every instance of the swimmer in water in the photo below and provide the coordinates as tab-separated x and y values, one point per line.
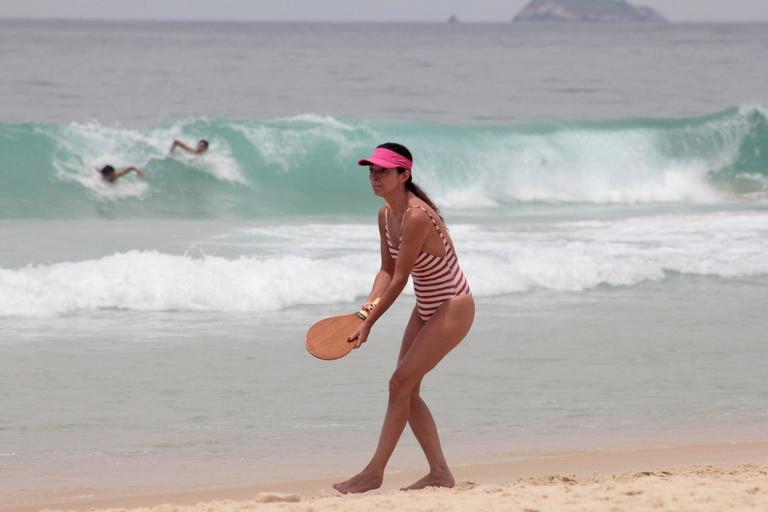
202	147
109	174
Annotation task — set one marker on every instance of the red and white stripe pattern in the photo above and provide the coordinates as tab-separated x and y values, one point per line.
436	279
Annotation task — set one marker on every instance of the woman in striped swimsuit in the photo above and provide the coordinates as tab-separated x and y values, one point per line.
414	242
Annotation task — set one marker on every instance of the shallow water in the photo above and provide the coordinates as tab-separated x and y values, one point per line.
234	398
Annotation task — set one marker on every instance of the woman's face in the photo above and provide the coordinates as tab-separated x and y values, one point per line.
384	181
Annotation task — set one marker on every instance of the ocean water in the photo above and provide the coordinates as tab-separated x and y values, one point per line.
606	188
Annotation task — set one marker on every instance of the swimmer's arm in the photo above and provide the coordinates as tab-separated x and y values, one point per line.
178	144
126	170
416	228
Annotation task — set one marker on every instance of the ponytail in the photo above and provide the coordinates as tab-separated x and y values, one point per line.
418	192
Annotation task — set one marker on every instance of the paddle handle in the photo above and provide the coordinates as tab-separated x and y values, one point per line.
365	311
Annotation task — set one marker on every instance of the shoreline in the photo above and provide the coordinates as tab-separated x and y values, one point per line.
575	464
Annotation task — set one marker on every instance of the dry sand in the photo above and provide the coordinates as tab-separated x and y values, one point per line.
692	478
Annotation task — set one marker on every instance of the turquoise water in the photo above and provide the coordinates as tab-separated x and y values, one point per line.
305	165
605	188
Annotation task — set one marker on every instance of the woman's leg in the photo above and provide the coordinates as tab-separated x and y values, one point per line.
424	428
447	327
423	424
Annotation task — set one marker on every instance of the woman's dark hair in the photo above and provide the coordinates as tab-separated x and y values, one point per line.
107	170
203	141
410	185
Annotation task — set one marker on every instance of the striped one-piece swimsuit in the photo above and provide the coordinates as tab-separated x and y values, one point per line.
436	279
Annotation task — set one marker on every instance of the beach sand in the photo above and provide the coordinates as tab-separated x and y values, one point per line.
714	477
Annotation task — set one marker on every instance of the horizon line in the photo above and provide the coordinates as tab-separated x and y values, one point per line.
444	21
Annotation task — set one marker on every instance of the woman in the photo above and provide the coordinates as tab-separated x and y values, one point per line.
414	241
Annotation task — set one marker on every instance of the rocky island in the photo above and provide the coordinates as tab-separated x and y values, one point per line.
591	11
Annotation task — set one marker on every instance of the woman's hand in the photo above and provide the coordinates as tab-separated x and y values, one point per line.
360	335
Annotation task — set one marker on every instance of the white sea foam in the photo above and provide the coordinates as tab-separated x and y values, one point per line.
82	149
634	164
290	143
321	120
152	281
314	264
575	167
583	255
217	161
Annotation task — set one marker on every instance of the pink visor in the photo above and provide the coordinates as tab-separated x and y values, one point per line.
386	158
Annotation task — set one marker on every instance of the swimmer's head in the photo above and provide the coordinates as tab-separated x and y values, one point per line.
107	171
202	145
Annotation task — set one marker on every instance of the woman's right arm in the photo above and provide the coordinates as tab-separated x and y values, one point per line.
387	267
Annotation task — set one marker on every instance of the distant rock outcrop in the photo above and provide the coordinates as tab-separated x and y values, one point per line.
597	11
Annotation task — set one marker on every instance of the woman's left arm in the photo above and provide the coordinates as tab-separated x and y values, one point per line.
416	228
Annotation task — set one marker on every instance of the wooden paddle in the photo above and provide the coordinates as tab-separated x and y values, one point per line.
327	339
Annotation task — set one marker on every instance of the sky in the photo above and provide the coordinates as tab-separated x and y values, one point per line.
350	10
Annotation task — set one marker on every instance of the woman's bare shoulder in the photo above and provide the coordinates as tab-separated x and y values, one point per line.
422	209
416	217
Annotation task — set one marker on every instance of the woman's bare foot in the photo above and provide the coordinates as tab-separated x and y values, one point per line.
432	480
362	482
